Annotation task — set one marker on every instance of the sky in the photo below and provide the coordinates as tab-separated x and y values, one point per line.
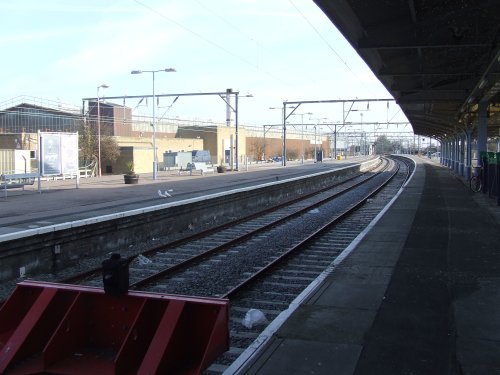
272	50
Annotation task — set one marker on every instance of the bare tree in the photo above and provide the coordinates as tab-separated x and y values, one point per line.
89	147
258	148
291	154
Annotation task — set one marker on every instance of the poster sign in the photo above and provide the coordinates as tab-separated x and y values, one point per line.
69	153
50	154
58	153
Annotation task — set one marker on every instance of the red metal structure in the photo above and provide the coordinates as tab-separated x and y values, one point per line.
68	329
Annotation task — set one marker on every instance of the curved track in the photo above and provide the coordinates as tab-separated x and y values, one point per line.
265	261
159	262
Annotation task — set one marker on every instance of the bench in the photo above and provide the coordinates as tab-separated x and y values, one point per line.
16	181
194	167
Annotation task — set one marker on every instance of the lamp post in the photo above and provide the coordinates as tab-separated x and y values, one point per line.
104	86
155	163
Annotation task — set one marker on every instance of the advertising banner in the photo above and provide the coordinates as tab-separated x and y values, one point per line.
69	153
58	153
50	154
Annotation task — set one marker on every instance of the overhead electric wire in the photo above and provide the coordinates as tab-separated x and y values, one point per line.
208	40
328	44
204	38
211	42
244	34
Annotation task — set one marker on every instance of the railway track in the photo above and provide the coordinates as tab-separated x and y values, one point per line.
90	265
273	289
156	263
265	261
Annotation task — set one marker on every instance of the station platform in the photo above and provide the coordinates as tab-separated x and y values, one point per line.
417	293
60	201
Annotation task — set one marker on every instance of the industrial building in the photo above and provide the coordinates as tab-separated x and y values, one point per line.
22	117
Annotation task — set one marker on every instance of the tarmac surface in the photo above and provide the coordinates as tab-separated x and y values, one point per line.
416	293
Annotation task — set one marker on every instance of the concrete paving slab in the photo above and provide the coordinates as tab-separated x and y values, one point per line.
366	296
328	324
353	273
293	356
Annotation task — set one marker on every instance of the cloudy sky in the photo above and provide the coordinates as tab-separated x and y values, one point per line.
275	50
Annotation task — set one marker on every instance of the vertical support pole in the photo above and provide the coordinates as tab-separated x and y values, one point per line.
39	162
98	133
450	153
315	150
461	154
264	146
283	153
482	129
335	143
154	132
468	156
482	137
442	157
231	152
228	106
444	152
302	136
454	153
237	156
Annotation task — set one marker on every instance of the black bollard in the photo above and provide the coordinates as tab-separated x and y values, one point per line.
115	275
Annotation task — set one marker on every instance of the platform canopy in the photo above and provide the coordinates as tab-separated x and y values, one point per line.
438	59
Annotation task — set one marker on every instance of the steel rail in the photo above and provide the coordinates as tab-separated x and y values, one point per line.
199	257
312	237
94	272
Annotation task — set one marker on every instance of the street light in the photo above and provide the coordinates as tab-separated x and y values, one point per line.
155	163
104	86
